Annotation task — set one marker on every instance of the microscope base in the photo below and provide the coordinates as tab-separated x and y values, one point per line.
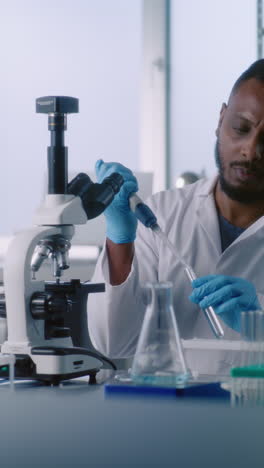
54	364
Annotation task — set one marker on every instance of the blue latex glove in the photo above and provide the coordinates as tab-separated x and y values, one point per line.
228	295
121	223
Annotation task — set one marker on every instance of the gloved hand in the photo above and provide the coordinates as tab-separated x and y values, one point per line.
121	223
228	295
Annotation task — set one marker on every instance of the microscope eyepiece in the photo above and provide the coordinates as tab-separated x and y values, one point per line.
80	184
95	197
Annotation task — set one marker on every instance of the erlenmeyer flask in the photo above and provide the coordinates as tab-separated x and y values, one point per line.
159	358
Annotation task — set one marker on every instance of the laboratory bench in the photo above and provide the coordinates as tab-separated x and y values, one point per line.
78	425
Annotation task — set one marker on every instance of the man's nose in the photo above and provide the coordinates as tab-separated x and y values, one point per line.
253	148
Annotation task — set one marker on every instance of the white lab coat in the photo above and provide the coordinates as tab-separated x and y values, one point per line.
188	217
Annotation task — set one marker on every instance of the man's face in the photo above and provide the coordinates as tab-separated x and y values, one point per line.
239	148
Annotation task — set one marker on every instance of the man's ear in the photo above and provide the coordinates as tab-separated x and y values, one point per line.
221	116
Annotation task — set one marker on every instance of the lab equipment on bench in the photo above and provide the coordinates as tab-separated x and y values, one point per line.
159	357
247	380
212	390
145	215
7	362
47	321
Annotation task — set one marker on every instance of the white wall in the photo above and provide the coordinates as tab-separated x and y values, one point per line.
82	48
212	43
92	50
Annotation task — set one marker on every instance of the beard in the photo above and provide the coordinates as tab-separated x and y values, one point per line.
246	195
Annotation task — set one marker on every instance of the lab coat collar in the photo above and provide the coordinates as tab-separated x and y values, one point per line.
208	186
207	214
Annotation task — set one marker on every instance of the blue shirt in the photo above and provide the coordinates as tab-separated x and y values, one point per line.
228	232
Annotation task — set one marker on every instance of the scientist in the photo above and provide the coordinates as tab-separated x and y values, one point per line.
216	225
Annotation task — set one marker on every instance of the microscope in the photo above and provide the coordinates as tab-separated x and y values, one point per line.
47	320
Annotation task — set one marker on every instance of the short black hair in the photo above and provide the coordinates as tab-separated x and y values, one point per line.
256	70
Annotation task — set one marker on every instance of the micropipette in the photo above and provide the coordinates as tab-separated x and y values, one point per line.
147	217
142	211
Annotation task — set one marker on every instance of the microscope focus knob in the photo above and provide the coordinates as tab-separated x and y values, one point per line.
46	306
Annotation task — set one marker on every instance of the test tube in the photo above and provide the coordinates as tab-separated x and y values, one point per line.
260	337
209	311
249	391
247	320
